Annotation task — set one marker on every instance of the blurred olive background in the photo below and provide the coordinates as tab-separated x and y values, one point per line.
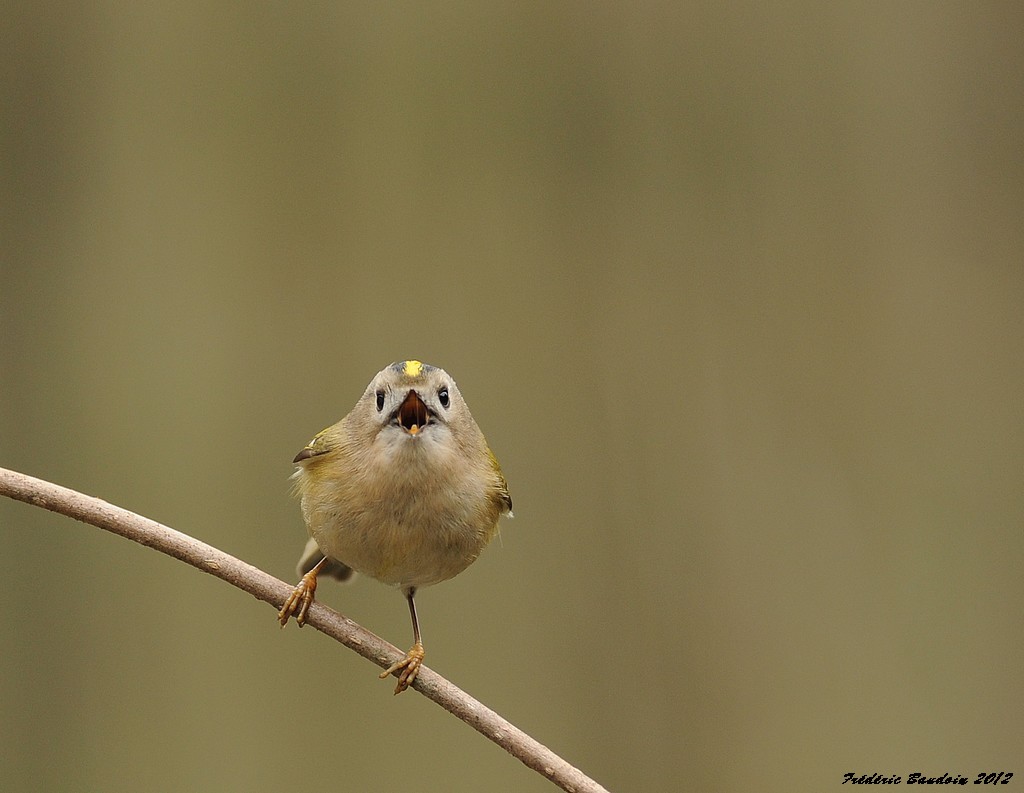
736	293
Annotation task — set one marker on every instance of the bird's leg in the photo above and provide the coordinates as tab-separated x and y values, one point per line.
301	598
409	666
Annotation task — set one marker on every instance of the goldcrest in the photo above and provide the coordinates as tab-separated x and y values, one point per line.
403	489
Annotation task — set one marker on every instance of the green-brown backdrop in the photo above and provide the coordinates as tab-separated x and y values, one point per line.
736	292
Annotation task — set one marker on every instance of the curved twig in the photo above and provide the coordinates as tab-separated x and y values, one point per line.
265	587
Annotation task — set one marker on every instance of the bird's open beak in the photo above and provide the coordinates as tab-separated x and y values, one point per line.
412	413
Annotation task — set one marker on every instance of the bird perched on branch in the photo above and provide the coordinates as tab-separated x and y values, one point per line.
403	489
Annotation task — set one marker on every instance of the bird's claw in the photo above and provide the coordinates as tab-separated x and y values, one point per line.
409	666
299	600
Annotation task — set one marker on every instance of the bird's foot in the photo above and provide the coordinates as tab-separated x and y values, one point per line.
408	666
299	600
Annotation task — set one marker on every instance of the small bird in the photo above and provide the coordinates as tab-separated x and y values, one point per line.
403	489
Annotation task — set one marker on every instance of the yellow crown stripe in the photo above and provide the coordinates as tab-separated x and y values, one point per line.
413	368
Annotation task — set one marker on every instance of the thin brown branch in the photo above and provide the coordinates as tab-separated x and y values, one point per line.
273	591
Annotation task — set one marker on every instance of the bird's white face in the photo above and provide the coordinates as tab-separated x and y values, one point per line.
415	406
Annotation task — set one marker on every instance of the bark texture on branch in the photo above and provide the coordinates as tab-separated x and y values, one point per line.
265	587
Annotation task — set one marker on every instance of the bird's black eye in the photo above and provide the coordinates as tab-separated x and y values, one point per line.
442	397
380	401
